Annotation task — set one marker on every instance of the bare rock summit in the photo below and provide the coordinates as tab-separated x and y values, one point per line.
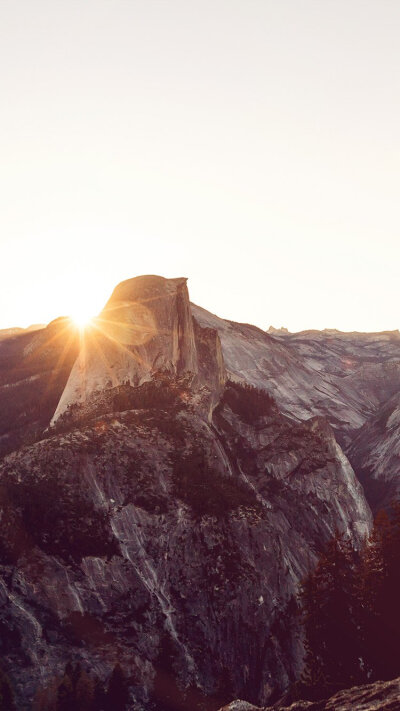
145	328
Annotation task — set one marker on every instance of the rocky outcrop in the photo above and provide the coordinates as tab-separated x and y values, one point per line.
380	696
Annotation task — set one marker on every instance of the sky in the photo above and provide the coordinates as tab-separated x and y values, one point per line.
252	146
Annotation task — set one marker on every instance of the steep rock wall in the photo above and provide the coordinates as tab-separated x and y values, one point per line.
154	528
375	454
146	327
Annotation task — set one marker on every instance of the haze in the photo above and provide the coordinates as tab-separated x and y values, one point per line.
251	146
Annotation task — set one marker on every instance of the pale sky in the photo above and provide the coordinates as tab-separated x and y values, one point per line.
250	145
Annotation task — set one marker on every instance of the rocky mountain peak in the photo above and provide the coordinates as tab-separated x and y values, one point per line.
152	309
274	330
145	287
145	328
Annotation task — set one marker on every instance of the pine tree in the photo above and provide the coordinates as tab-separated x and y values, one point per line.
332	636
117	696
7	702
65	695
84	692
99	696
380	594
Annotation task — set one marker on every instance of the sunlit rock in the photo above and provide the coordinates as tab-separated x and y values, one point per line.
145	328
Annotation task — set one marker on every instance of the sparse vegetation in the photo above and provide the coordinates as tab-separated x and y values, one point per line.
79	690
248	402
7	701
351	612
205	489
55	515
161	392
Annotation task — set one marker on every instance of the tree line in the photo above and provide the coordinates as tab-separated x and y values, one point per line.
77	690
350	607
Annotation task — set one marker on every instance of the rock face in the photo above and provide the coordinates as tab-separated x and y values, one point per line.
155	529
146	327
343	377
167	517
375	452
351	379
363	368
380	696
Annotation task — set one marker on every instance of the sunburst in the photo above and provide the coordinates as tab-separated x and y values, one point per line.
82	319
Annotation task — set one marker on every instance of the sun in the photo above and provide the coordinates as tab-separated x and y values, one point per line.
84	306
82	319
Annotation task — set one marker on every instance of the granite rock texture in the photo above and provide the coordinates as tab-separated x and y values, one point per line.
157	527
345	377
145	328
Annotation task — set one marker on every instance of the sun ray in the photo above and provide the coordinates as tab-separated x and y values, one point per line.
132	327
104	359
44	346
59	363
82	321
115	342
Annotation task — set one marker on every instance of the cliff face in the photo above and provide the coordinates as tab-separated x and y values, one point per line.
375	452
145	328
154	529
